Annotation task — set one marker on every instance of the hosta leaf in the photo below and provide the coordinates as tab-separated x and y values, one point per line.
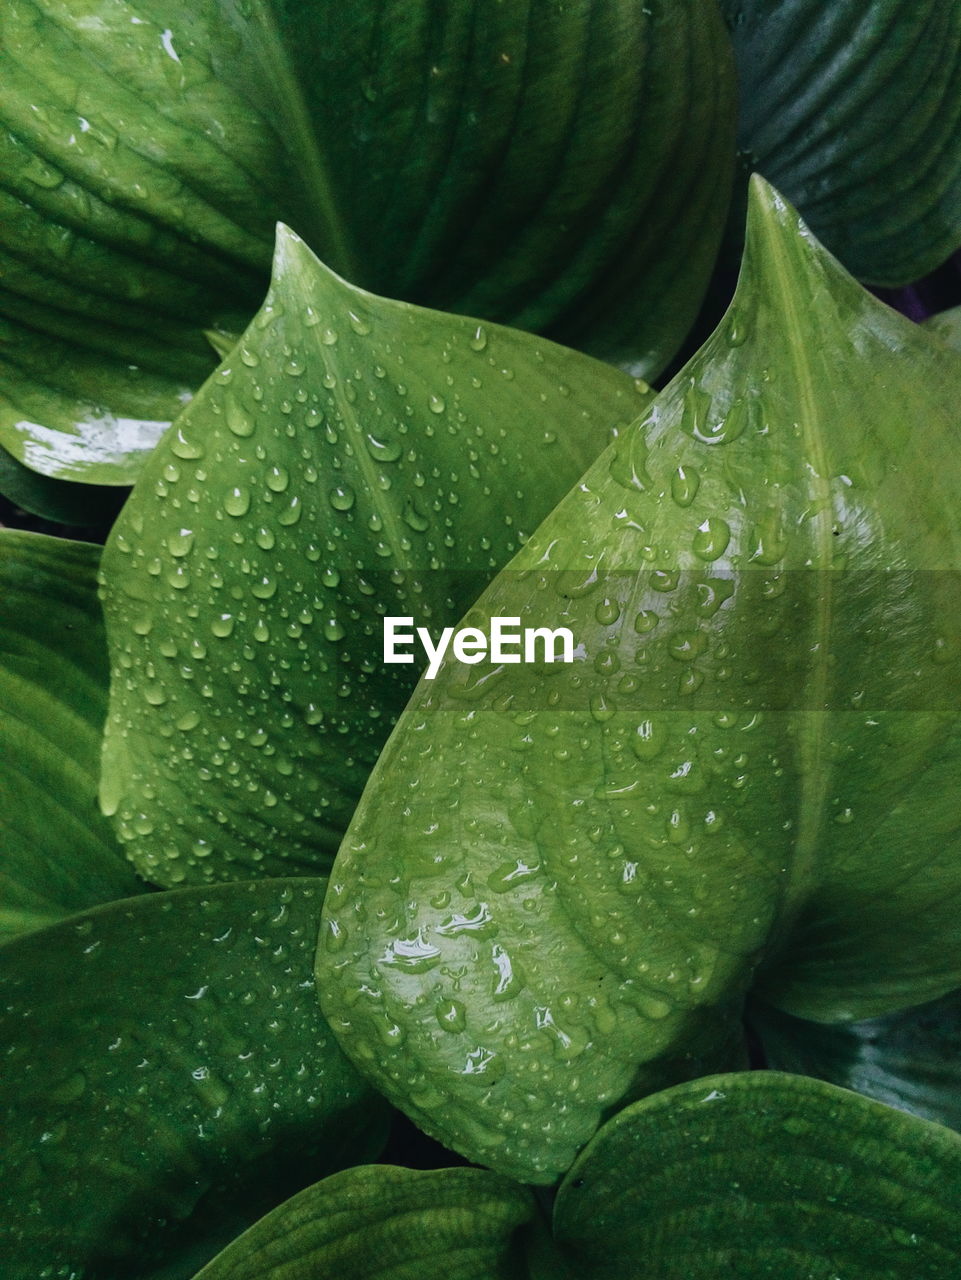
910	1060
561	167
348	451
168	1077
380	1221
57	853
753	757
947	325
853	110
761	1175
59	501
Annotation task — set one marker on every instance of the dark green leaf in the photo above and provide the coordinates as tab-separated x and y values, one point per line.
561	167
382	1223
910	1060
752	760
763	1175
853	110
168	1077
353	457
56	500
58	854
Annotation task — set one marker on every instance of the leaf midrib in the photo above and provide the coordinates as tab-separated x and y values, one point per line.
332	239
814	768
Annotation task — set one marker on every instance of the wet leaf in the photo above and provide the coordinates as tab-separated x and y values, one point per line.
59	854
168	1078
760	1175
745	777
565	168
910	1060
852	109
380	1221
353	457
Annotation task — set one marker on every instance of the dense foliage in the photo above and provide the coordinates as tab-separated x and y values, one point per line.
265	899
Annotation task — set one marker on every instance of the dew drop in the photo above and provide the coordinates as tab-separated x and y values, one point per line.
685	483
342	497
711	539
237	502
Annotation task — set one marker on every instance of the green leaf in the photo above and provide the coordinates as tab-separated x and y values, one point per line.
560	167
761	1175
380	1221
852	109
947	325
910	1060
58	501
169	1079
752	760
353	457
59	854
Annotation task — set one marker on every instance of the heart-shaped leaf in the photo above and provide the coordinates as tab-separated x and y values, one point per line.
348	451
59	854
910	1060
761	1175
378	1221
565	168
168	1077
853	110
752	758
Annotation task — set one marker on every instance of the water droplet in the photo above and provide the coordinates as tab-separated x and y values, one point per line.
478	339
414	518
359	324
685	483
768	543
383	450
238	420
711	539
237	502
180	543
184	448
277	479
648	741
437	404
342	497
607	612
451	1015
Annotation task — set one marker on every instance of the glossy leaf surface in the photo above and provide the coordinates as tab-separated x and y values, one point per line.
560	167
353	457
853	110
57	853
752	760
383	1222
760	1175
167	1077
910	1060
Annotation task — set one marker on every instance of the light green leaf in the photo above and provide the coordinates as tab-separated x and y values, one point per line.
910	1060
169	1078
947	325
379	1222
57	853
752	760
559	167
761	1175
353	457
853	109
